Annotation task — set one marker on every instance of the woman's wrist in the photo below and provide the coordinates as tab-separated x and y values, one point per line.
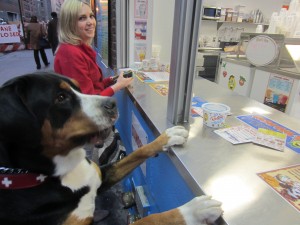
116	87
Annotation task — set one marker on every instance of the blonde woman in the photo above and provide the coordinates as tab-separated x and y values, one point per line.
75	57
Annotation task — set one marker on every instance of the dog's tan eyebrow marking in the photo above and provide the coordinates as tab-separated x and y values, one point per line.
75	82
65	85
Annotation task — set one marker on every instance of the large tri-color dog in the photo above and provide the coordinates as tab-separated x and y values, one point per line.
45	178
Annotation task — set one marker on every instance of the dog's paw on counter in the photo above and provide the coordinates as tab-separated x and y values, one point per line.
177	135
201	210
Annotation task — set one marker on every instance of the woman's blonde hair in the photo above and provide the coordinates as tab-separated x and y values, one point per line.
67	26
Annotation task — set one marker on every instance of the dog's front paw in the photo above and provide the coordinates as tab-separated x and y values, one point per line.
201	210
176	136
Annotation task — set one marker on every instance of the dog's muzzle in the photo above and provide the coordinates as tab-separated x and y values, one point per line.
110	108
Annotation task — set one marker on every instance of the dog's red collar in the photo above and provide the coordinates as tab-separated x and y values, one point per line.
19	179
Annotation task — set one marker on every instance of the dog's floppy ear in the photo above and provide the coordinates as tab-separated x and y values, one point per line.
16	117
20	90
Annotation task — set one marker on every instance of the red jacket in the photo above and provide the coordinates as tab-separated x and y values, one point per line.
79	63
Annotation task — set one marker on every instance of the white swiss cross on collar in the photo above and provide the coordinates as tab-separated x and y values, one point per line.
41	178
20	180
6	182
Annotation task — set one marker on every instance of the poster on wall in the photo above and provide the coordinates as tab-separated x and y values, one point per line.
140	50
140	30
141	9
278	92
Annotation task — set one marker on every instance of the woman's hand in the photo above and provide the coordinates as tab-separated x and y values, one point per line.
122	82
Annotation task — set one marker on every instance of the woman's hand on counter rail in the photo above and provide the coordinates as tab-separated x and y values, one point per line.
122	82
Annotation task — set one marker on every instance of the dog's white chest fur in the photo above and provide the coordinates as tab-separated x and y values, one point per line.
84	174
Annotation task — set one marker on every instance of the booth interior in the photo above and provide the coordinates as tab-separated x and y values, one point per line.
244	130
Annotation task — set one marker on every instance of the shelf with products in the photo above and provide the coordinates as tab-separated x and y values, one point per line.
220	23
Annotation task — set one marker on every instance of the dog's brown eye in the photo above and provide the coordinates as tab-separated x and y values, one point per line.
60	98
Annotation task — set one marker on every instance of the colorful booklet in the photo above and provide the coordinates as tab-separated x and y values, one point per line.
270	138
238	134
286	182
161	88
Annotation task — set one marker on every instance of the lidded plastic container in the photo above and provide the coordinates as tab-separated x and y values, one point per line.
214	114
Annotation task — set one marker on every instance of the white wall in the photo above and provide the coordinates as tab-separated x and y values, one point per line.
163	14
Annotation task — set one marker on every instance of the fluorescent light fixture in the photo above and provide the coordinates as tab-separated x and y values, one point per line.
294	51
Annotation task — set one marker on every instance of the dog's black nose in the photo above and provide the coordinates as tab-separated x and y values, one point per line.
110	106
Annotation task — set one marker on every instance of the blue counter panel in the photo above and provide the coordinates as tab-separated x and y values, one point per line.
164	186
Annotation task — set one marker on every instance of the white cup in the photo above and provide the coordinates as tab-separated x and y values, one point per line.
153	64
138	65
145	64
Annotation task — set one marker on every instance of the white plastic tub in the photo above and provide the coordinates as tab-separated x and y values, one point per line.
214	114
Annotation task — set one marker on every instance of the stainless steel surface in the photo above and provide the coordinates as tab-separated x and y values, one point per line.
209	50
213	166
151	105
289	72
292	41
284	64
238	61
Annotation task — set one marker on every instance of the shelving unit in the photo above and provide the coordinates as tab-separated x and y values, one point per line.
220	23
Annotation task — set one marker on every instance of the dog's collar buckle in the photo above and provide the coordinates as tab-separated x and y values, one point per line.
19	179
